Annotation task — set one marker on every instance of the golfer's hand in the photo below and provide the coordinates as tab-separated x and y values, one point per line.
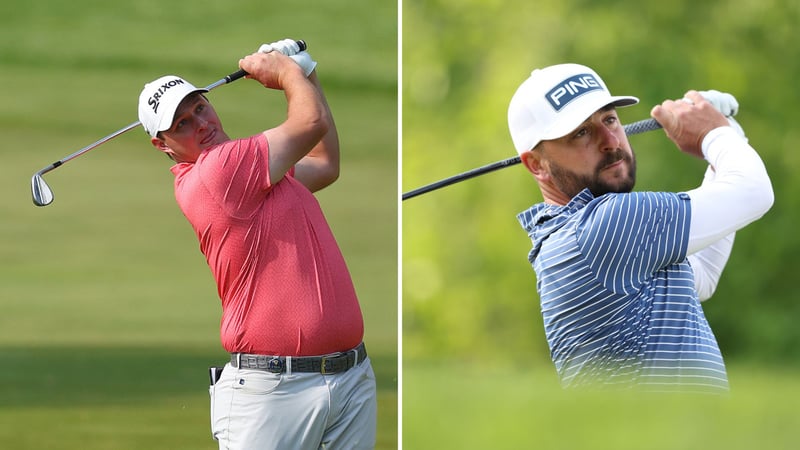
727	105
287	46
722	102
303	59
274	69
290	48
688	120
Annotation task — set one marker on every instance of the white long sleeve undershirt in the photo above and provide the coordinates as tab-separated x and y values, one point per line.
735	192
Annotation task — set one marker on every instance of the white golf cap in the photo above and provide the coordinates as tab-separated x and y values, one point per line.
160	99
554	101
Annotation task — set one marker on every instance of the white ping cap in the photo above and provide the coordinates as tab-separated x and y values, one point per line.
554	101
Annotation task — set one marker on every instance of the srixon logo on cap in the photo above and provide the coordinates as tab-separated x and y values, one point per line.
156	98
570	89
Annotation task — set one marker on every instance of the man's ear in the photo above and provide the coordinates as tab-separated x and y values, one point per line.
534	162
162	146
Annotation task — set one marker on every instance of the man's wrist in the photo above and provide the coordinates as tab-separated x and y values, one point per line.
713	136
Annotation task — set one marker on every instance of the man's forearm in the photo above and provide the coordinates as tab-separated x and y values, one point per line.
320	167
740	192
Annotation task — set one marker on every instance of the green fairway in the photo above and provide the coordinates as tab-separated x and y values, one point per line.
110	314
473	406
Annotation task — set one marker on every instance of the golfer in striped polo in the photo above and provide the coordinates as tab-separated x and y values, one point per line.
621	274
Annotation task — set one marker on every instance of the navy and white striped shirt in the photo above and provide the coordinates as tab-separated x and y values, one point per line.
617	293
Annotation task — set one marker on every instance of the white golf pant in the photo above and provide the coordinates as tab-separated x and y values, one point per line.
254	409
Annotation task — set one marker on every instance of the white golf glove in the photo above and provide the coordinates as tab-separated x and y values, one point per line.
722	102
290	48
727	105
303	59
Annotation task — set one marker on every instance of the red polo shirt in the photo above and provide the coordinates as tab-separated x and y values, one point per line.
283	282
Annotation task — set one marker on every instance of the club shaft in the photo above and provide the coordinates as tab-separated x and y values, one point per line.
462	176
227	79
630	129
89	147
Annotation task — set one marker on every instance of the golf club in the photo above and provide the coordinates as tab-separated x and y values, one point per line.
630	129
43	195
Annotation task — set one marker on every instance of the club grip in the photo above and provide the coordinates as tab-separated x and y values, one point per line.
235	76
240	73
641	126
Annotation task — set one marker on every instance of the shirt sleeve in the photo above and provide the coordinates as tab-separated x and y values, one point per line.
236	174
627	237
740	192
708	262
707	265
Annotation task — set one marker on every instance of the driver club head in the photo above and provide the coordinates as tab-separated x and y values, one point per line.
42	195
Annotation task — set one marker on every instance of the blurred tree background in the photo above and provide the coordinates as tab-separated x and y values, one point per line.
468	289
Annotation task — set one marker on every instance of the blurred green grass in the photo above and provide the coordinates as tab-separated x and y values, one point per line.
110	314
471	406
126	397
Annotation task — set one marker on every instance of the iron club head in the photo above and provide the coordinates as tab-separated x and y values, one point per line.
42	195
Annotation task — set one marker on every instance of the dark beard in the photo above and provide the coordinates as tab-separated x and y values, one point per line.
571	183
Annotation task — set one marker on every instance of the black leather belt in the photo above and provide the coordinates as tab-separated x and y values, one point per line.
326	364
